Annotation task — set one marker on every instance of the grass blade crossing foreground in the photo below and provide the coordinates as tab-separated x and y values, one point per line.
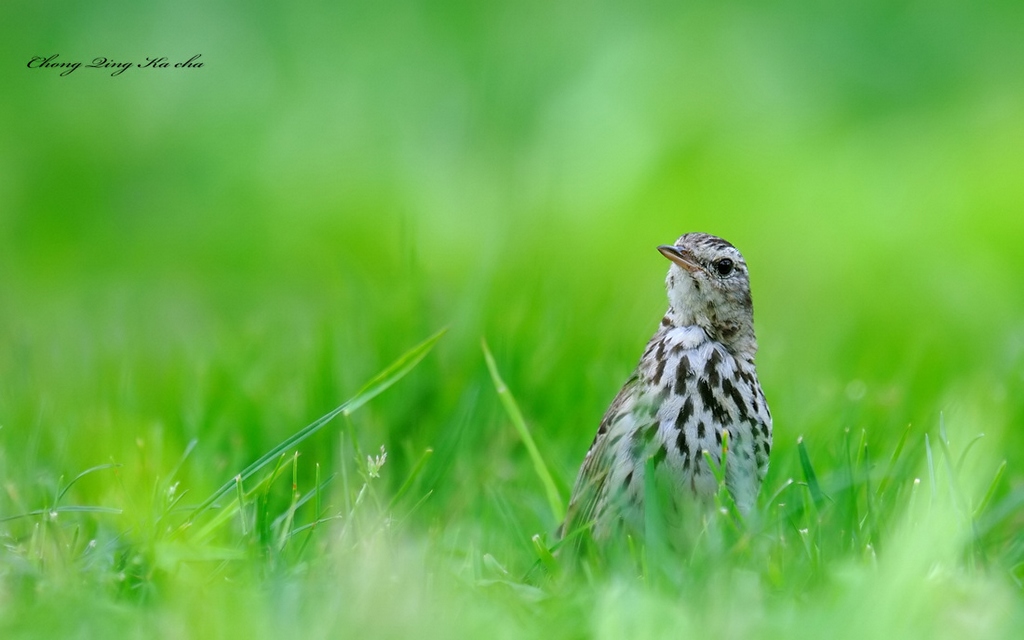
395	372
812	479
554	500
68	509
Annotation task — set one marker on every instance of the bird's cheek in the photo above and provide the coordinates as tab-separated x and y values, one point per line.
700	281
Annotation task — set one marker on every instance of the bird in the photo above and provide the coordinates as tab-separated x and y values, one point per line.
695	386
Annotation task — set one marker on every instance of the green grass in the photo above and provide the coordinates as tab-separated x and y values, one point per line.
196	271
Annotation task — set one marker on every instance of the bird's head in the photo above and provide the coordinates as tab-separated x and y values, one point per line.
708	286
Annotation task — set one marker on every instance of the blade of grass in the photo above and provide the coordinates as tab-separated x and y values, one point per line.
655	539
723	497
1007	508
991	490
963	456
912	501
512	408
778	493
99	467
397	524
261	499
377	385
301	501
412	477
317	488
870	517
395	372
284	522
931	466
812	480
861	449
847	497
228	510
181	461
68	509
955	492
357	451
241	503
312	525
544	554
887	478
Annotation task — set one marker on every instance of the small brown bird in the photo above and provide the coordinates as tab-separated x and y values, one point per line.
695	382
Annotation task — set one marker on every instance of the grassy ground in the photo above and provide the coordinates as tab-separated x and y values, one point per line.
196	264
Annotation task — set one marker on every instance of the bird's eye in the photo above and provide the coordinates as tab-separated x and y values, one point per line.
723	267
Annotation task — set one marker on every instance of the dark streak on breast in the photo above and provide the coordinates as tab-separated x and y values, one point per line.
683	373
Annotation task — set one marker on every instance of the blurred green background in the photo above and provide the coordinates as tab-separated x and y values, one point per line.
226	253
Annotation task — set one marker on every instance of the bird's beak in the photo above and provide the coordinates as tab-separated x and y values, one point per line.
679	256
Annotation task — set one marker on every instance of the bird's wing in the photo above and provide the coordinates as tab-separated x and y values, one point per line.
589	489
